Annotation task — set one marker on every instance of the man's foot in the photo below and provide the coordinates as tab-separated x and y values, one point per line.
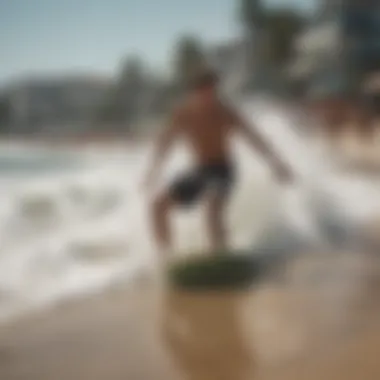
155	272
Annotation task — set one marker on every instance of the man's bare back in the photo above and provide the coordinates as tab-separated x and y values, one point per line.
206	123
207	128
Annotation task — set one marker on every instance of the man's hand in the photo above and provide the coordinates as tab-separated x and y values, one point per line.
283	173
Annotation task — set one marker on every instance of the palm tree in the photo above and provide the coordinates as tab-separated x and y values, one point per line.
121	103
270	35
5	114
189	56
251	16
282	27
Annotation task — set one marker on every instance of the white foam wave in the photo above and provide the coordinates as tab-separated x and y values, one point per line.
72	231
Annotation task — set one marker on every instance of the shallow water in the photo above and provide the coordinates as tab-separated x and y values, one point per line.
72	223
320	319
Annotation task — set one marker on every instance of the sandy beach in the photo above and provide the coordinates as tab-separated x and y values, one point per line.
318	319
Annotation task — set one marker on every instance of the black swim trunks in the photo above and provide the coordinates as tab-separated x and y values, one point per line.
191	186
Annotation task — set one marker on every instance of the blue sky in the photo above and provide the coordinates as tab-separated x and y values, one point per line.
63	35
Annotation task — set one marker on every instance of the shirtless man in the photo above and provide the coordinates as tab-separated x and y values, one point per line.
207	124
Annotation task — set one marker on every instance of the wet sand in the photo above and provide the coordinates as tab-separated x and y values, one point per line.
317	317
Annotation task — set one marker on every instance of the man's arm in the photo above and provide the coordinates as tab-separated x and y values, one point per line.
252	136
163	145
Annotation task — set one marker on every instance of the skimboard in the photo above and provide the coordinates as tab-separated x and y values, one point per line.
213	272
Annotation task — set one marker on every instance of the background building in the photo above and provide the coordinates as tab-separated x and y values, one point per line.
340	48
46	104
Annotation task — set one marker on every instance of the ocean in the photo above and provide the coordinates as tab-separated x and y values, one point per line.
74	222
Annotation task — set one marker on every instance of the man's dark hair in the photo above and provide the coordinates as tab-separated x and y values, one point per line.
204	78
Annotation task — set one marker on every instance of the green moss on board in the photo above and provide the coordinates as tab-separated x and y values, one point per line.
227	272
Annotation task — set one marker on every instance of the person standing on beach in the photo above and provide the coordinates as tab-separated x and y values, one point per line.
207	124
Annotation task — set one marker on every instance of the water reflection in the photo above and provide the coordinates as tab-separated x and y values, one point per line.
204	337
323	301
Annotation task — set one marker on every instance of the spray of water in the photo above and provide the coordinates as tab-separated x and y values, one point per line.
78	230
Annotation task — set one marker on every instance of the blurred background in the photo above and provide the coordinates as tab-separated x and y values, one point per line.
85	86
93	70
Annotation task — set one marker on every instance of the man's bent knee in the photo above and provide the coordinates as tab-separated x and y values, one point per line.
161	204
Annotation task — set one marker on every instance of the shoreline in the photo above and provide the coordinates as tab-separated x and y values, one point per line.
299	328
